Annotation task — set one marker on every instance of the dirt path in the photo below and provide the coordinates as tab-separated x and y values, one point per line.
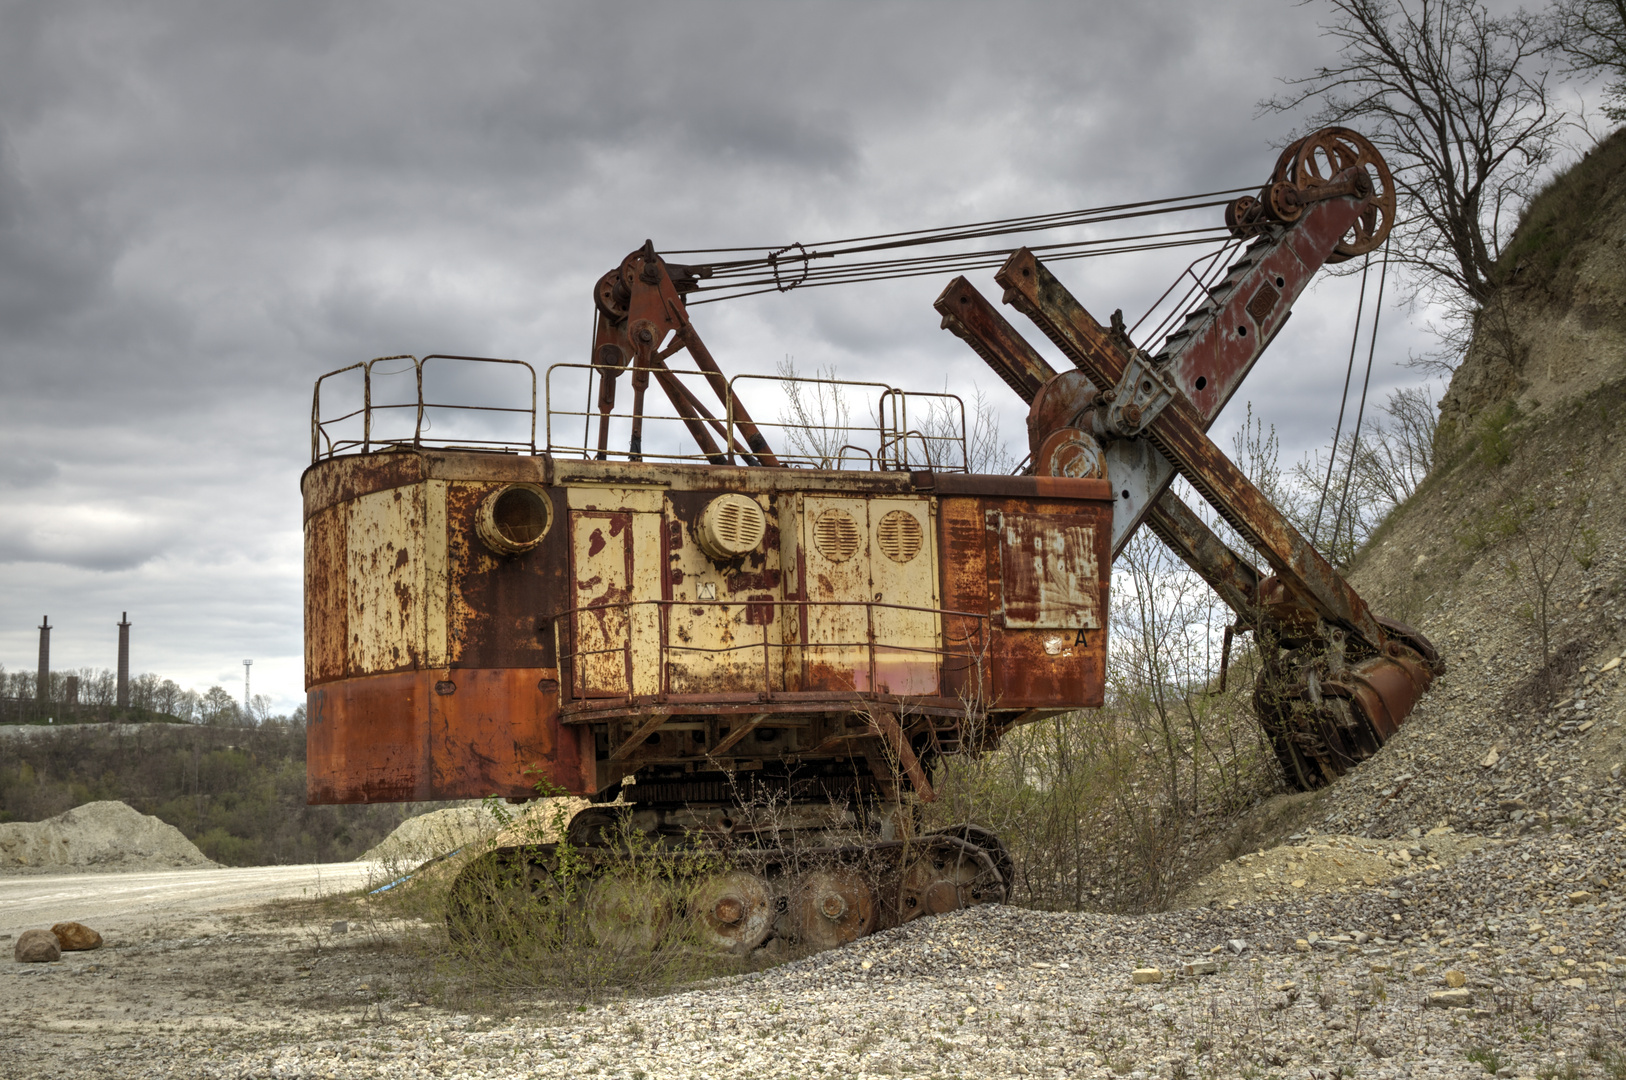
120	905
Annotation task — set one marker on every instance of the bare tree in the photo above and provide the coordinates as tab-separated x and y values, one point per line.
1591	35
1456	99
817	418
946	423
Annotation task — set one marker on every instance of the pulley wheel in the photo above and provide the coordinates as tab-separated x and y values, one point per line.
1319	157
732	912
832	907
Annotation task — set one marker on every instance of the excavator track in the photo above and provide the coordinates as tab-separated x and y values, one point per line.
721	897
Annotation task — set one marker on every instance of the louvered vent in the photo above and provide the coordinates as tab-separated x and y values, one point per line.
731	526
835	535
899	536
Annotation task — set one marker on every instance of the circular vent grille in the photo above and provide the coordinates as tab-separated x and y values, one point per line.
899	536
835	534
731	526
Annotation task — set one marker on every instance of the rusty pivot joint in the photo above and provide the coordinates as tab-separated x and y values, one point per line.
1143	392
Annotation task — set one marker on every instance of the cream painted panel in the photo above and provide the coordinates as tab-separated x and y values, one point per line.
437	584
638	500
646	614
906	636
836	654
715	632
601	549
385	568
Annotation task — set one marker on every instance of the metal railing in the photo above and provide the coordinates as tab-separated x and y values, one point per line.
822	436
326	443
961	641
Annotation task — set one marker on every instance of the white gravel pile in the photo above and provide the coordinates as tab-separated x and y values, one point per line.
438	832
96	836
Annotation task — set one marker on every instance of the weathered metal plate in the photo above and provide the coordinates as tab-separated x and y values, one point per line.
835	559
724	630
327	594
498	732
394	738
601	558
384	565
1018	667
1049	574
367	740
903	579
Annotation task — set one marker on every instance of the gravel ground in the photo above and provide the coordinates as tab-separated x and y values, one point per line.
1528	950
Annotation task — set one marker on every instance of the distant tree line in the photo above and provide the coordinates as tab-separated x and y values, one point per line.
152	698
238	793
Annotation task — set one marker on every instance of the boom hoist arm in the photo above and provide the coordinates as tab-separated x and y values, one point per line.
1337	681
642	320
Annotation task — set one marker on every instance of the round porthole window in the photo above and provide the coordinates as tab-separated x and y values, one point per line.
514	519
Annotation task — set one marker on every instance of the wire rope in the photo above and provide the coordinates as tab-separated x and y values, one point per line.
1355	439
1343	403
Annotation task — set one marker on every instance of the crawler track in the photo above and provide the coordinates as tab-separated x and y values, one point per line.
723	898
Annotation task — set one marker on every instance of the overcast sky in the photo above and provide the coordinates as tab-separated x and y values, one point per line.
205	206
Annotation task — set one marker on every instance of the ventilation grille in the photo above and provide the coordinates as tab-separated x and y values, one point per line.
835	535
899	536
731	526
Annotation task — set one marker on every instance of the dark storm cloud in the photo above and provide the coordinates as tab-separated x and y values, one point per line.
204	206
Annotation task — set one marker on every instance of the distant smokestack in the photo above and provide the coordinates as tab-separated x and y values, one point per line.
73	690
124	659
42	690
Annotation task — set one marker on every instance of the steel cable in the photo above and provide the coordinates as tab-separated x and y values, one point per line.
1355	439
1343	403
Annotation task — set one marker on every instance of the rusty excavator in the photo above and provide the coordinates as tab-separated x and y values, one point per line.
694	614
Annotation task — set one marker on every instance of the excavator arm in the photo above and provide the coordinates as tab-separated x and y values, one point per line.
1337	681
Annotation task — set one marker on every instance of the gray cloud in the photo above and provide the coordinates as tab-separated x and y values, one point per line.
203	206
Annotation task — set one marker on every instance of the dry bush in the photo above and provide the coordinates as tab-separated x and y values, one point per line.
1113	809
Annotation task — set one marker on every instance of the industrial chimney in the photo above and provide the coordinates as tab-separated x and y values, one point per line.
42	689
124	659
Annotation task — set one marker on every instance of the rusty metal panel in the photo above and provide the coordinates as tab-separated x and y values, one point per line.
366	739
724	632
903	572
436	583
601	554
500	607
497	732
1046	667
645	616
962	542
384	566
424	735
327	536
341	479
1050	578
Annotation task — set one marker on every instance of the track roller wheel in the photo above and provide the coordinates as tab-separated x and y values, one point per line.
732	913
832	907
627	912
947	875
498	895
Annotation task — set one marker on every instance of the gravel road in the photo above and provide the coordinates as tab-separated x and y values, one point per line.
120	904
